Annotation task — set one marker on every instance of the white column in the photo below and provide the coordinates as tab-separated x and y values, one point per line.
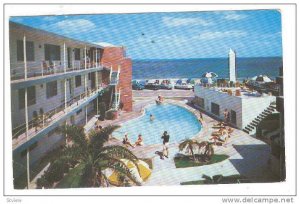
86	117
65	69
65	66
97	105
25	57
116	94
85	76
97	85
96	58
26	111
85	57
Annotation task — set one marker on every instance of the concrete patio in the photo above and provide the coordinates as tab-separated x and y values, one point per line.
248	156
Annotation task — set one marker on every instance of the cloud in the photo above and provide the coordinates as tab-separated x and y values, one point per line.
74	26
174	22
208	35
232	15
49	18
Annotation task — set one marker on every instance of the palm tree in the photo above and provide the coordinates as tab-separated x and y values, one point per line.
189	145
90	153
204	148
208	149
212	180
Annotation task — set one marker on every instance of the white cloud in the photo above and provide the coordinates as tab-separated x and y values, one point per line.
208	35
174	22
49	18
232	15
73	26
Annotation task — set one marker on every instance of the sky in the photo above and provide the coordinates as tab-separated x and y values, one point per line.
173	35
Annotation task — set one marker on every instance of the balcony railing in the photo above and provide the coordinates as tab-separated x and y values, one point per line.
44	120
44	68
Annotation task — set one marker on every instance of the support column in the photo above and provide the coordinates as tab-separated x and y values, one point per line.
65	70
26	111
85	67
24	57
97	106
86	116
96	58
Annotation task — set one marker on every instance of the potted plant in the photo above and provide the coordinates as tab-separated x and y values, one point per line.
111	114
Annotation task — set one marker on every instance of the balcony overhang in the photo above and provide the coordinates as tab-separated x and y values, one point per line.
19	147
18	84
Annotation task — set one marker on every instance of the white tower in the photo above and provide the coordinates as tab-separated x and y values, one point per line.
232	65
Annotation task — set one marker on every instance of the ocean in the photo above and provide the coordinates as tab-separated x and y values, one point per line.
194	68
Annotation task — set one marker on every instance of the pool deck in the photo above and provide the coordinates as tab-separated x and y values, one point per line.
247	156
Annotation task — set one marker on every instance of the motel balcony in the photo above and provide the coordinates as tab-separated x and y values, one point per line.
45	122
45	69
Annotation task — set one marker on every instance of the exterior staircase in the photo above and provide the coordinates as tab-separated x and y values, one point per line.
251	127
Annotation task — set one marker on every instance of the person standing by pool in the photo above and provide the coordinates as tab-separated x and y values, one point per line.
201	116
166	138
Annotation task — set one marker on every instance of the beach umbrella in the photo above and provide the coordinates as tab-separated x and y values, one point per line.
191	81
209	75
261	78
141	173
179	81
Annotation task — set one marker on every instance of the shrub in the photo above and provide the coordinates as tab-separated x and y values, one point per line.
43	183
56	171
111	114
102	109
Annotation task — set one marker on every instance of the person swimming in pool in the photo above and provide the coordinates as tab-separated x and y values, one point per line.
152	117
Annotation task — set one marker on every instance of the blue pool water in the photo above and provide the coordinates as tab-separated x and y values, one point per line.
178	121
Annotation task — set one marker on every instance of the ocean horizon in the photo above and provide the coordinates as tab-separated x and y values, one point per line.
247	67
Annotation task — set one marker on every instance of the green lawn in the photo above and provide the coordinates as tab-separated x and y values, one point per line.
72	179
184	162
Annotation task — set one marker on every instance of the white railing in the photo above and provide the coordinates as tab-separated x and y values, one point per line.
43	120
44	68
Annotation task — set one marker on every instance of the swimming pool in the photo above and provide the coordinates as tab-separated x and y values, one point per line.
178	121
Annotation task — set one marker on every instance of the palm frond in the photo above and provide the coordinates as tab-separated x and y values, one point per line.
120	167
98	138
118	152
76	134
186	143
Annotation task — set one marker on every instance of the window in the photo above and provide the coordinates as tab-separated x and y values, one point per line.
77	81
233	117
31	98
215	109
51	89
52	52
77	53
29	50
89	76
